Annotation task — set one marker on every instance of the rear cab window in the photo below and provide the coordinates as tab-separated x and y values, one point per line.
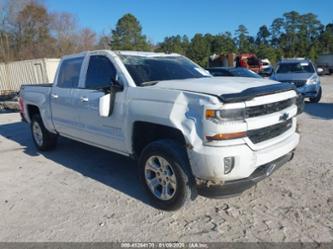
69	73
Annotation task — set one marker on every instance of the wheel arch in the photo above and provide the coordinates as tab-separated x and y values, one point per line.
32	110
145	132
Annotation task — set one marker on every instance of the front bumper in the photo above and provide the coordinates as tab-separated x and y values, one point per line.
235	187
309	90
207	162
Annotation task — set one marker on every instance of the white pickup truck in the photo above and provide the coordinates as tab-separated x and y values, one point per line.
191	133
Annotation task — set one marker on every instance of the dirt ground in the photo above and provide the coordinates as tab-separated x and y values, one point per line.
80	193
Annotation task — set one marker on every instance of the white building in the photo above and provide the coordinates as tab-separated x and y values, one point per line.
14	74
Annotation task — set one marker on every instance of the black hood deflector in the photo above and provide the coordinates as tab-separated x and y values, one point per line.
253	92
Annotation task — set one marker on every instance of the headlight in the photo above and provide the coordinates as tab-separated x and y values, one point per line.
225	114
313	80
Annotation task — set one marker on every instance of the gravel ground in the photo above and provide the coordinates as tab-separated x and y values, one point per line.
80	193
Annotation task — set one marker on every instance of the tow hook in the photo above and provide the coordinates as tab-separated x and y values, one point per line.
292	155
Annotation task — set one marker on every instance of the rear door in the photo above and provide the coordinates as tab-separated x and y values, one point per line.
64	112
106	132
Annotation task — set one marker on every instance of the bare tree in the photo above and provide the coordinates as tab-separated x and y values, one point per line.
103	42
34	38
64	29
87	39
9	10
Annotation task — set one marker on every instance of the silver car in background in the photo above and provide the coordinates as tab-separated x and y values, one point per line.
301	73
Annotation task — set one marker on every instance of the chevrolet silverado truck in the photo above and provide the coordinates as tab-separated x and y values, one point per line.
190	132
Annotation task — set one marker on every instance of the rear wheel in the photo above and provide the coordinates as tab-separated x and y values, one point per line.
43	139
165	174
317	98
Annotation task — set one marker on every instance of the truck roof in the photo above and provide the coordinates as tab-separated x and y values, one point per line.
125	52
145	54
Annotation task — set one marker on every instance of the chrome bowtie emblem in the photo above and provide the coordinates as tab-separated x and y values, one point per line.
284	116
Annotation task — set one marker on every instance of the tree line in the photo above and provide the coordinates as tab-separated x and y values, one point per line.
29	30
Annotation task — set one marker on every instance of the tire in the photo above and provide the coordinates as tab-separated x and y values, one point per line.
174	184
43	139
317	98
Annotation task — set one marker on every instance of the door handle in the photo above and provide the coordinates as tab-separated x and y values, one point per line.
55	96
84	99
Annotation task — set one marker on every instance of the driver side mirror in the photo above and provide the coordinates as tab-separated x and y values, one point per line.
104	105
106	102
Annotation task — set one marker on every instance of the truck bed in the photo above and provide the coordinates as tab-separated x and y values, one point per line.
37	95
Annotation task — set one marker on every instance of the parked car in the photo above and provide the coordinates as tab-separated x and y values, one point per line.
249	61
265	63
325	61
302	73
266	72
233	71
190	132
266	69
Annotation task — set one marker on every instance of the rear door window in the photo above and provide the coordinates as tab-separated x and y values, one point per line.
100	72
69	73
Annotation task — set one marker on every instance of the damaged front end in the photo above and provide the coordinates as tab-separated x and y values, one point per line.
220	189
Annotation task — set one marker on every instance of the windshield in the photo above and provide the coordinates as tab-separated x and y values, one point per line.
147	70
242	72
298	67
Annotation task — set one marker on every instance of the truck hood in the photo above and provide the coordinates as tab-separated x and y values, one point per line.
215	85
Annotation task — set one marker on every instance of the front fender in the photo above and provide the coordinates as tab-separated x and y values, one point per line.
177	109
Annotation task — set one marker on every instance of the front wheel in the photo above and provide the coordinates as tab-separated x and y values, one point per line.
165	174
317	98
43	139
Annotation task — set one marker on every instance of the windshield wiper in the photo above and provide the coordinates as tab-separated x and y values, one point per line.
149	83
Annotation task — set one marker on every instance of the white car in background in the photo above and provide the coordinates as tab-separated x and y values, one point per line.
267	68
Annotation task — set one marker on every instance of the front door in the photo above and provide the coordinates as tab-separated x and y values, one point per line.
106	132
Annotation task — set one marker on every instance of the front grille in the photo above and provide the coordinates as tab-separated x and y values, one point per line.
297	83
265	109
269	132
